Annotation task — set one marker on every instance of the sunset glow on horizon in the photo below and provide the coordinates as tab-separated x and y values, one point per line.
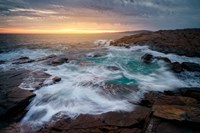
96	16
61	31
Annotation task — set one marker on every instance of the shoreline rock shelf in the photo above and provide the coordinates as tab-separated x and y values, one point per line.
182	42
174	113
14	100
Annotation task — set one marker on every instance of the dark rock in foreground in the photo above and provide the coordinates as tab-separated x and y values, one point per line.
177	112
13	101
182	42
108	122
157	125
172	112
12	78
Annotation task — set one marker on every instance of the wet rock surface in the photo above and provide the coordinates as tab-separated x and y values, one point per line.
174	113
177	112
14	100
157	125
147	58
191	66
13	77
170	111
38	79
107	122
165	59
176	67
22	60
182	42
46	58
56	60
113	68
2	61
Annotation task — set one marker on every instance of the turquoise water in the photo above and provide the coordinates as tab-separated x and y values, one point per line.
125	61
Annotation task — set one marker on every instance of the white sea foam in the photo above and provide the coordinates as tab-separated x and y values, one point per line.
31	53
141	50
80	90
102	42
24	52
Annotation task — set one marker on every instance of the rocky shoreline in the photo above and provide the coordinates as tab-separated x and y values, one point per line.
172	111
175	111
182	42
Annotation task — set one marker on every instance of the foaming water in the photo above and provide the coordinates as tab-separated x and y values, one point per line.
110	79
33	54
92	86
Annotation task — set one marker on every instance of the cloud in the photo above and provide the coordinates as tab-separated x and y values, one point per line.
32	11
151	14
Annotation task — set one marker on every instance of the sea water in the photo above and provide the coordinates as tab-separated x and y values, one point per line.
102	79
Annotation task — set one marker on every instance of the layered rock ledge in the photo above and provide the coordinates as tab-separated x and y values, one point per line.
182	42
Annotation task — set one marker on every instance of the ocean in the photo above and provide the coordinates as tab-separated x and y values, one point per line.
98	77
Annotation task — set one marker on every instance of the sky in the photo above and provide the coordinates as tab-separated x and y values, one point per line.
96	16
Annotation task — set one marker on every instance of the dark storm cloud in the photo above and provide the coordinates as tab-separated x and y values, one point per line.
153	14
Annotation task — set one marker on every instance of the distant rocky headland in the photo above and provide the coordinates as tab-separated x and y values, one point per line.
182	42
